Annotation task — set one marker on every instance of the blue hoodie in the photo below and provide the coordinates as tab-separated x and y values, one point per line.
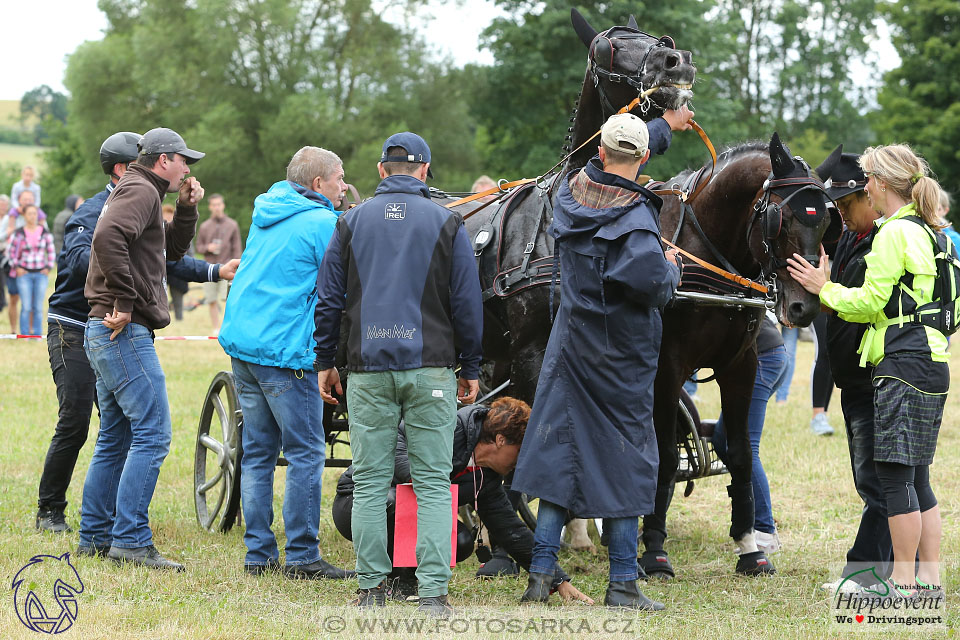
269	314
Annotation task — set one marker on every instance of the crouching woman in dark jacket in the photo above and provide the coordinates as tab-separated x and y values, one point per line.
486	443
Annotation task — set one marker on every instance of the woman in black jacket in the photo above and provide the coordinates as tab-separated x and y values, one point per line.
486	443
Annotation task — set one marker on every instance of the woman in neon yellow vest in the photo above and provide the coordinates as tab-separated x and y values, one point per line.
911	376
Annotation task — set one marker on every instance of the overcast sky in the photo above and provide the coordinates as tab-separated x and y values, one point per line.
28	62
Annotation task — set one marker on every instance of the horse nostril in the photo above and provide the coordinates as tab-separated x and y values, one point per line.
673	60
795	310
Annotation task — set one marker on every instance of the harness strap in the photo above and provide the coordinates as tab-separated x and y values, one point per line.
499	189
703	236
746	282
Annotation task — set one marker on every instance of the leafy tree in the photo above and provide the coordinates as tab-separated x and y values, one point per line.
763	65
251	81
46	106
920	100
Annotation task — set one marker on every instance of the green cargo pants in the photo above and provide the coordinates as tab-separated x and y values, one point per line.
426	399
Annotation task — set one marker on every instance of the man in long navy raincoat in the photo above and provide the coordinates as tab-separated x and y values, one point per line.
593	412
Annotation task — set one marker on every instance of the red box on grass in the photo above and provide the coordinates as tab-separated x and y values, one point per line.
405	527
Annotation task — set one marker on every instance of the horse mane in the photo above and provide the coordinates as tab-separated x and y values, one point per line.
733	152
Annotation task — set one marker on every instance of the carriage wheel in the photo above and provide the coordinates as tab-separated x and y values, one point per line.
526	513
216	467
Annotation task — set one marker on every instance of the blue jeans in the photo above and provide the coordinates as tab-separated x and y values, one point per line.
32	287
772	372
134	436
622	548
280	406
790	344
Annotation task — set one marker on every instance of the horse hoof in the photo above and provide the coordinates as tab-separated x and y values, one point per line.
656	564
755	564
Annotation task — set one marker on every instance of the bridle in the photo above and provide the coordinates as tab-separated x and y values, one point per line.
601	64
769	215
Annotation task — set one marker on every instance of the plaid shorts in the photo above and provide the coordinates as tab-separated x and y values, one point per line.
906	422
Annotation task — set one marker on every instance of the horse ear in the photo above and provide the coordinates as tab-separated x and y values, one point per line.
825	170
582	27
632	23
780	158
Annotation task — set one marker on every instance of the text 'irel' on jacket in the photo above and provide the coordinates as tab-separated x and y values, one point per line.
269	313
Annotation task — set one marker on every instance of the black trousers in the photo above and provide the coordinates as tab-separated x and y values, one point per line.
821	383
872	544
76	394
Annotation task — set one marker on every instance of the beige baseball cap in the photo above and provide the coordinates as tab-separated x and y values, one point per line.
625	127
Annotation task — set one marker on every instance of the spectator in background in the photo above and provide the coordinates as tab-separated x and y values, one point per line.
217	239
4	210
14	221
26	183
483	183
70	205
177	286
31	257
942	211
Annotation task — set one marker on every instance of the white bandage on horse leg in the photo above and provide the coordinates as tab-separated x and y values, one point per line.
747	544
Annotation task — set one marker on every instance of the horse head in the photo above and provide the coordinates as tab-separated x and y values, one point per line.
790	215
625	62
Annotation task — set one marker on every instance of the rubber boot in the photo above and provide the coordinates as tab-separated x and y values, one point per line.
626	595
538	588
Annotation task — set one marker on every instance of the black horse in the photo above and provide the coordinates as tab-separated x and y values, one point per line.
515	252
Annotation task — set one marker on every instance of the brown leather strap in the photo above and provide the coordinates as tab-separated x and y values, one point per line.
746	282
480	194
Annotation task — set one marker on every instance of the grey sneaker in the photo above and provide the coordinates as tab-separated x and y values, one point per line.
370	598
52	520
436	606
820	425
143	557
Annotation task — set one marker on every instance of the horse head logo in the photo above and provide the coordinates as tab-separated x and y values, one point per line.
45	593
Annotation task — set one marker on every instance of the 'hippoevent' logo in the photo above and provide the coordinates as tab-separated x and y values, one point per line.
42	579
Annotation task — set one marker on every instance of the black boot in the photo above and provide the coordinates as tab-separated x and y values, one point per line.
625	595
499	565
538	588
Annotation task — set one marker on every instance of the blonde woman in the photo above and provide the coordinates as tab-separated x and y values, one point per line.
911	377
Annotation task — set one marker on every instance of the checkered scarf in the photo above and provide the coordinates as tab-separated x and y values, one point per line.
599	196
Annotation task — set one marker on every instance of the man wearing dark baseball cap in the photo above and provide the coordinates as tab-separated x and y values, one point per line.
163	140
414	315
125	287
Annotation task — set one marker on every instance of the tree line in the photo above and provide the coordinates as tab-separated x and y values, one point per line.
251	81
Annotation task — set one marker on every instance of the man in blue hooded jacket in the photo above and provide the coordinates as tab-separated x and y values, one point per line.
599	427
268	332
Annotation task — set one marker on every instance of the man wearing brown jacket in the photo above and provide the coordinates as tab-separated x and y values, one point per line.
125	287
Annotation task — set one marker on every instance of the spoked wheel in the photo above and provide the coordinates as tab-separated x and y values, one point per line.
216	465
525	511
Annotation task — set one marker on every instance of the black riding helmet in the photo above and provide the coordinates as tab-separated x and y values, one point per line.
120	147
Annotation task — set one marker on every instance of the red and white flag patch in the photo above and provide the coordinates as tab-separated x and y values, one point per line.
811	211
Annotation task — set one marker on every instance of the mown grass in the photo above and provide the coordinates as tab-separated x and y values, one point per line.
22	154
813	496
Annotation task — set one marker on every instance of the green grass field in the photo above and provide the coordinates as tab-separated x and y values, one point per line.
814	502
22	154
